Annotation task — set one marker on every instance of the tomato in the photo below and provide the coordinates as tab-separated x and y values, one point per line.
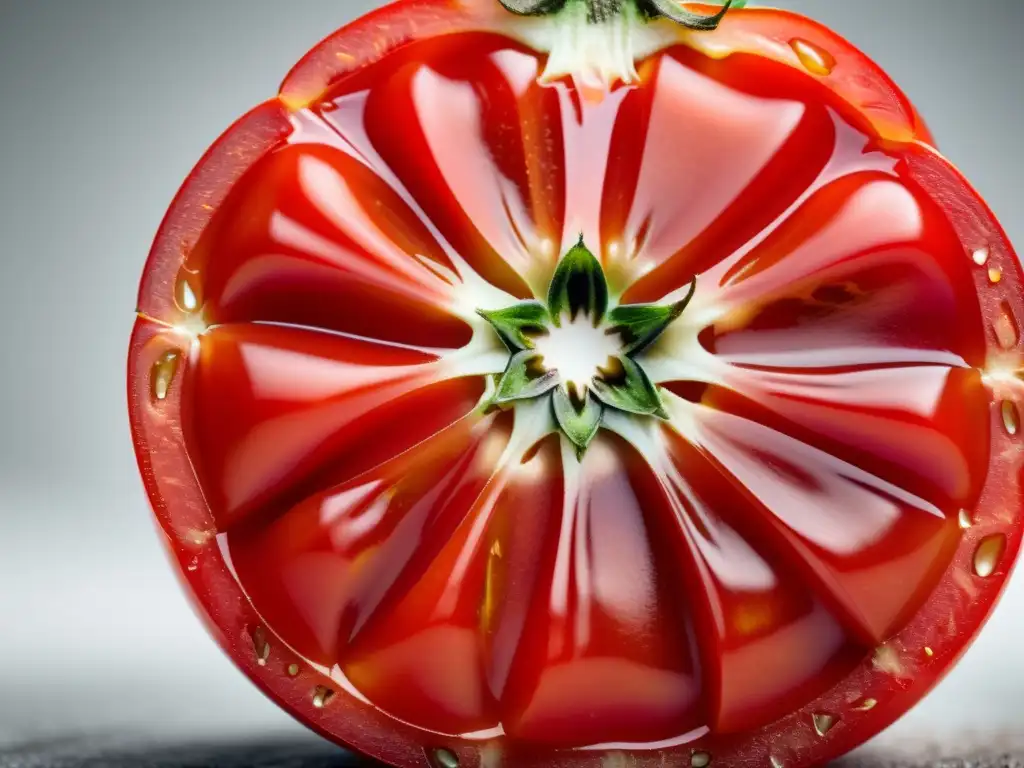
572	391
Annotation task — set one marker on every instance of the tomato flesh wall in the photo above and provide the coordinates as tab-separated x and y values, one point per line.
454	566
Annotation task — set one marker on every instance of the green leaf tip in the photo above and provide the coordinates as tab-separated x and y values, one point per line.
630	389
580	421
525	378
640	325
516	323
578	285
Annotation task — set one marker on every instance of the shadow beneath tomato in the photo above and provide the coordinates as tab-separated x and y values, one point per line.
993	759
286	752
309	752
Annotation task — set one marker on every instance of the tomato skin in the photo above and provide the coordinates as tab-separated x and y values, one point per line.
894	678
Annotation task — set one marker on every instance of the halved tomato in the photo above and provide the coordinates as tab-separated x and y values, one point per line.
584	389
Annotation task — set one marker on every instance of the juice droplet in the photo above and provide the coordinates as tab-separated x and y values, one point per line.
260	646
445	758
193	565
994	275
322	696
1007	333
867	705
1011	417
185	294
988	555
815	59
163	372
980	256
823	723
293	670
700	760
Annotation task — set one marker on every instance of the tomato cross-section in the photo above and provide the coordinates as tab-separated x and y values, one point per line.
501	408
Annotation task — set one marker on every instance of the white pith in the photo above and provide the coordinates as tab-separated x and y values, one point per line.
594	55
577	350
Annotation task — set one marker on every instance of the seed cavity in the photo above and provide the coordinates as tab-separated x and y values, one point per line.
185	294
988	554
1005	327
322	696
1011	417
815	59
261	646
444	758
162	374
823	723
700	760
887	659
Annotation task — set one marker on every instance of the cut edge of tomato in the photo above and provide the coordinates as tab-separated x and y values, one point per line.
790	38
767	32
375	35
311	695
900	673
193	207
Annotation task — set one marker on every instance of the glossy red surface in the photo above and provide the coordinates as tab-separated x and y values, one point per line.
690	583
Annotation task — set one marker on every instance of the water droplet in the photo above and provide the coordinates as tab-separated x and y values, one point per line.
445	758
162	374
980	256
1011	417
322	696
700	760
994	275
261	646
988	555
193	565
867	705
815	59
293	670
823	723
965	519
928	651
1005	327
186	296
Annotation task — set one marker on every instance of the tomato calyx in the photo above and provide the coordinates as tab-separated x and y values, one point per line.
599	11
579	351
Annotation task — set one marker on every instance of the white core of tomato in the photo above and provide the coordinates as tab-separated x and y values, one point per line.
595	55
577	350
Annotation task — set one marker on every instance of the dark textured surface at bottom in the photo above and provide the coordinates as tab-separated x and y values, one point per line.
295	753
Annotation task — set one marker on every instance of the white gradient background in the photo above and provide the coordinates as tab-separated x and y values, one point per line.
104	107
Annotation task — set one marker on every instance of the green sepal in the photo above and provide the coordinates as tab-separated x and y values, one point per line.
672	9
640	324
579	423
513	323
578	285
630	390
525	378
